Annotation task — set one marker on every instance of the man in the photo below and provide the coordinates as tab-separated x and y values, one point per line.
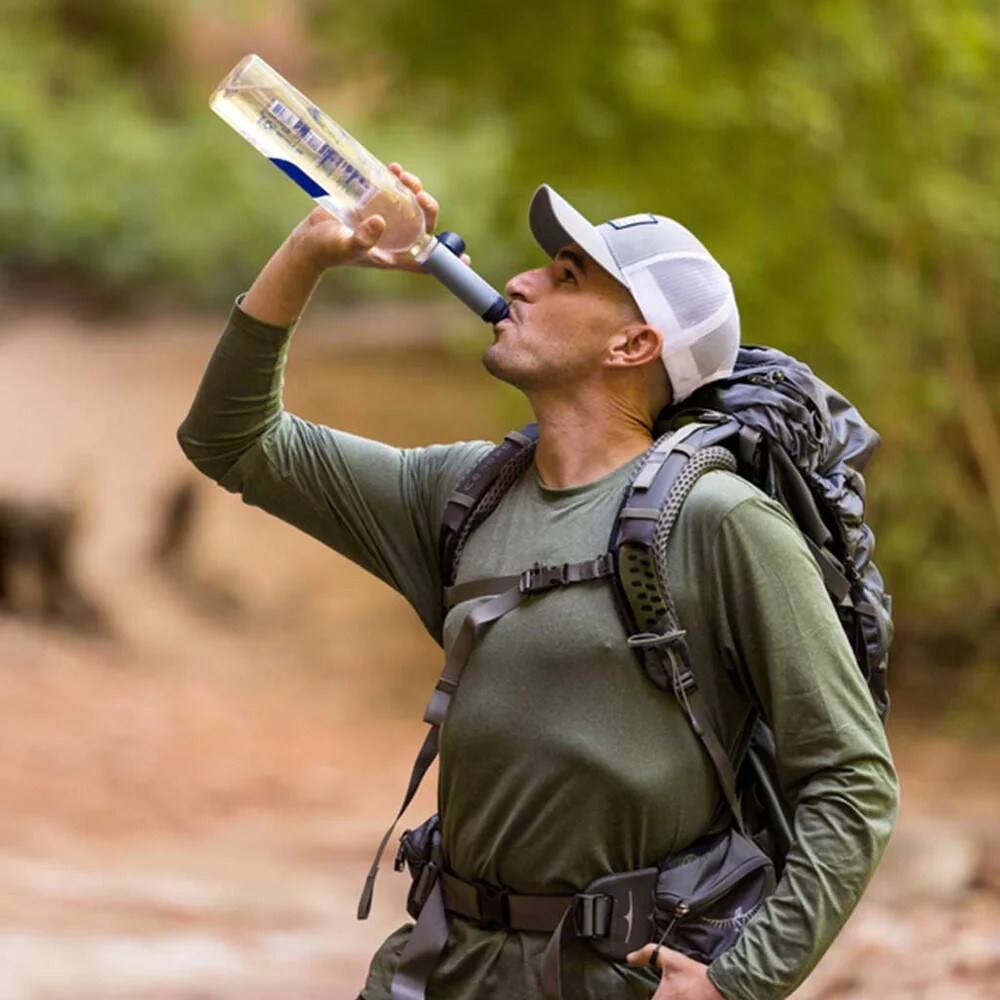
559	761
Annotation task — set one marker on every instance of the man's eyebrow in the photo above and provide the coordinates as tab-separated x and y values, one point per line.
580	263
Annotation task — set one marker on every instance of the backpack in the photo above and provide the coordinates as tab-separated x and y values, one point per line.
775	423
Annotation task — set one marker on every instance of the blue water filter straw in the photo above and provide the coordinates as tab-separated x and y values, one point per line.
445	263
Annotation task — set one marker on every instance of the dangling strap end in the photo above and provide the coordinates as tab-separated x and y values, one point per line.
365	903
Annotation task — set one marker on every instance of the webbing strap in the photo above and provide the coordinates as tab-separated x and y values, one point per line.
551	974
531	581
564	916
836	583
512	911
684	684
661	451
478	588
422	950
698	716
425	757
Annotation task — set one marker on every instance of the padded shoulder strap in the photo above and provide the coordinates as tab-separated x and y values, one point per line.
661	468
653	501
464	511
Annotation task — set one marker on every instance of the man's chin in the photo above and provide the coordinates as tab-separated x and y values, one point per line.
493	362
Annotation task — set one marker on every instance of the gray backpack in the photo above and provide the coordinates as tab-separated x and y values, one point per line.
775	423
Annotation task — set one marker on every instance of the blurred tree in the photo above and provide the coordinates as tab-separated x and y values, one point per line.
138	40
841	159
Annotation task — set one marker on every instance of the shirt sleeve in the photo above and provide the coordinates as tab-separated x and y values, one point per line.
378	505
781	633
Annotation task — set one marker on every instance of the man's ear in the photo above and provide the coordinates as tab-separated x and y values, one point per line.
634	344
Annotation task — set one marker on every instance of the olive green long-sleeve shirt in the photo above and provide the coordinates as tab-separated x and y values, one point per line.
560	762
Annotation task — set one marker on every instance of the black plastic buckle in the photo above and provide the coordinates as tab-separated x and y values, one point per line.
540	578
400	861
592	915
494	908
425	883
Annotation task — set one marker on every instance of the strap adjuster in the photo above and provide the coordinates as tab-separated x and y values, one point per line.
494	908
646	640
539	578
592	915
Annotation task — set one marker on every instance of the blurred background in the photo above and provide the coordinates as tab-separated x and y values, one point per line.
203	734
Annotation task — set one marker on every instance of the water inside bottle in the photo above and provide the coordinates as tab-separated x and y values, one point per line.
315	152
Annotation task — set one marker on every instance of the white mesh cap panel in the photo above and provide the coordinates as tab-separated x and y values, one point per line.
689	299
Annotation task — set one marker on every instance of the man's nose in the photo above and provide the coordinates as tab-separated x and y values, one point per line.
515	287
521	285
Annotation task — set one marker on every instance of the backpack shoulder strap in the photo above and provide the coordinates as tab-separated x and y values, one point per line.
664	478
652	502
478	492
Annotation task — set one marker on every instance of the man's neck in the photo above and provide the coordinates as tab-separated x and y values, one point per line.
578	444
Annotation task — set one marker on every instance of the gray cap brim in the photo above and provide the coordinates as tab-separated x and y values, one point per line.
555	222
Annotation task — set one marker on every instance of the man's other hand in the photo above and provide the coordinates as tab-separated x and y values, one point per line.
681	978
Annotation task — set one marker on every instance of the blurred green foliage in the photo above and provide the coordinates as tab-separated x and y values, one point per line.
841	158
102	180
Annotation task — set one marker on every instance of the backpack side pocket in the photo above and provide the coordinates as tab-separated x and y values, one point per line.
705	895
420	852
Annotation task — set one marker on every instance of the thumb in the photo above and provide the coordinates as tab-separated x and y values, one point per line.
642	955
369	232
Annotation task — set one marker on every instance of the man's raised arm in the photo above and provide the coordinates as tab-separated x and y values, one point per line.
376	504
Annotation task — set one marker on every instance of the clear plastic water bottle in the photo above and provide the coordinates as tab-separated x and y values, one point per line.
342	176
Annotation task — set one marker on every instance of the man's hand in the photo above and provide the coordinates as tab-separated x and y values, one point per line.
319	242
324	242
681	978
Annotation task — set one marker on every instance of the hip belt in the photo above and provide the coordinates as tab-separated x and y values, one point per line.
696	901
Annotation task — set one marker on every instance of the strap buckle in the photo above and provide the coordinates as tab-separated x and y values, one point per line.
592	915
494	908
645	640
539	578
421	889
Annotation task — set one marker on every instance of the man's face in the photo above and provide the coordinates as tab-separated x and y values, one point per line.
561	318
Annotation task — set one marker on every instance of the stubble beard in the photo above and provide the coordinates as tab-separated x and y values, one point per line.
499	366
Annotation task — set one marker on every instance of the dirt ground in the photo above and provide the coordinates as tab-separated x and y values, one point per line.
189	803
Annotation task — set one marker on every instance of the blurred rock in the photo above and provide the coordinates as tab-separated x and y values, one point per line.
37	574
987	875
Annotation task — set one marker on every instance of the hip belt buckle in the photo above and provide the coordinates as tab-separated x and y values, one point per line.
494	907
592	915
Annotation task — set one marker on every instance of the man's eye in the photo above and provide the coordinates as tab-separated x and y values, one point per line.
569	275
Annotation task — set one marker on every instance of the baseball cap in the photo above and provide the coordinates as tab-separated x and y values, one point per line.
679	287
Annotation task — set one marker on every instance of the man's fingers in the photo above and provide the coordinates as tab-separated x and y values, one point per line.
430	208
666	958
645	954
427	203
412	181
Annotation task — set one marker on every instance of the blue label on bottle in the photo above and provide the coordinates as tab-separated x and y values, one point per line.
297	134
301	178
